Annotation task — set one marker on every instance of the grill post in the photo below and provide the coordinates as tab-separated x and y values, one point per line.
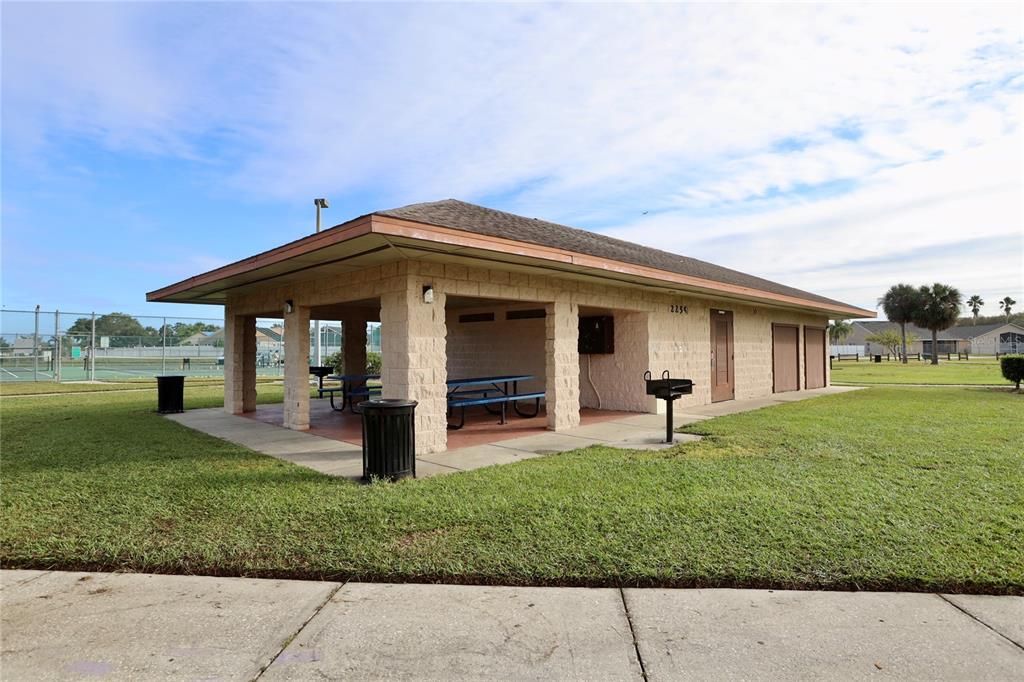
668	420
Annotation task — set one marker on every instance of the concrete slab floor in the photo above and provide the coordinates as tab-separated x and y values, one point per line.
455	632
478	456
550	442
77	625
334	454
60	625
742	634
1004	614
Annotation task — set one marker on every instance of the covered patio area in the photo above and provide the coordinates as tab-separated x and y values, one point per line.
342	456
481	427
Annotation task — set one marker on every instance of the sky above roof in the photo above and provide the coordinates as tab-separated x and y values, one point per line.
838	149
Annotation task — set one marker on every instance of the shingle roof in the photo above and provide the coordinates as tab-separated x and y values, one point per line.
961	332
460	215
972	331
269	333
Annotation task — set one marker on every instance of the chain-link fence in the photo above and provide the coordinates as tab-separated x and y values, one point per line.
37	345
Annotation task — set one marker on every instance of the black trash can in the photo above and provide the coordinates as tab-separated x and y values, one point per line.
170	394
389	438
878	358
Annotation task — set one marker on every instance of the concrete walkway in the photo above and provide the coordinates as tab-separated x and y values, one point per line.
339	458
60	626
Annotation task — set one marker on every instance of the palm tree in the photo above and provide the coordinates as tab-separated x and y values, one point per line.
838	331
939	309
900	303
1007	306
975	303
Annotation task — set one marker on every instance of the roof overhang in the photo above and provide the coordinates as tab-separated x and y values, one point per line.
374	240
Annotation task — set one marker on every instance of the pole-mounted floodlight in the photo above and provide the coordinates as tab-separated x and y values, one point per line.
320	204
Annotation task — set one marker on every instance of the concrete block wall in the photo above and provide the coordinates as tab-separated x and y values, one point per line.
610	381
239	363
414	359
354	329
562	376
296	367
501	347
681	343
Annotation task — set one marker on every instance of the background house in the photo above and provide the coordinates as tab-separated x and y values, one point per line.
992	339
982	339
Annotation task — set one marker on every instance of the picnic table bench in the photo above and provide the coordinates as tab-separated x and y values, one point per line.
499	391
352	386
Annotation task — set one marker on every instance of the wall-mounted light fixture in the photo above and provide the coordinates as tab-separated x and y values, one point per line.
428	294
289	306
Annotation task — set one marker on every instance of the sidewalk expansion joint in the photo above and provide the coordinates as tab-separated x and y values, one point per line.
632	632
979	620
291	638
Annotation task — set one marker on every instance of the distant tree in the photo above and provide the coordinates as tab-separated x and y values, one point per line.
1007	305
4	343
900	304
122	329
838	331
1015	318
975	303
891	340
939	308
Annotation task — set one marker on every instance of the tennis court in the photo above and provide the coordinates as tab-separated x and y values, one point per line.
38	345
41	368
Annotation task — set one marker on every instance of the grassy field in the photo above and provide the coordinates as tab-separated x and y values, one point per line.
975	372
15	388
888	488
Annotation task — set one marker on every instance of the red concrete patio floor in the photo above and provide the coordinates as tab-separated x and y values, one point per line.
481	427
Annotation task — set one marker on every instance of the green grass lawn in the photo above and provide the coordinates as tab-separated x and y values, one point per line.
966	372
887	488
15	388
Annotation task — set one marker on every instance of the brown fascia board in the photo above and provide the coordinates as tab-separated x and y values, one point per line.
399	227
354	228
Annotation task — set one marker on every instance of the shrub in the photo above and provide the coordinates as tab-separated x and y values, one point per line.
337	361
1013	368
373	363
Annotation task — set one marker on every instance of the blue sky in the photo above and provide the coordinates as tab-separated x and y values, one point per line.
835	148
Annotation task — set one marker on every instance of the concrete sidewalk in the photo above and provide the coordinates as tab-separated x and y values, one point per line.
340	458
117	626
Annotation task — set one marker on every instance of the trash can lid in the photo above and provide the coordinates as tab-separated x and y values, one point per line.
383	403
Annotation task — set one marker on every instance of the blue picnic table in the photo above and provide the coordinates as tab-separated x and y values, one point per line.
488	392
493	393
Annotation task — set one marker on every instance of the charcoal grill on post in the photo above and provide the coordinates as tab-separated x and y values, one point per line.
669	390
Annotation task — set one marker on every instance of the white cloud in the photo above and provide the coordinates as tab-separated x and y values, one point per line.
719	119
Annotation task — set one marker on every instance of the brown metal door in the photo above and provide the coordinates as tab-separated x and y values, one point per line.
785	358
722	376
814	357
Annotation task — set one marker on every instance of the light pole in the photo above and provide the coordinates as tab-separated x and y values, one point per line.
320	204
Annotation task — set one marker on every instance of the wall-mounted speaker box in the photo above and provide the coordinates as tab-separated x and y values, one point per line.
597	335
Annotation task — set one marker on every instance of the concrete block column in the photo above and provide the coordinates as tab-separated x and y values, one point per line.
562	365
414	359
296	368
354	329
239	363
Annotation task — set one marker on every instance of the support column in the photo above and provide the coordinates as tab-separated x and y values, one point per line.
414	360
239	363
296	368
354	329
562	375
